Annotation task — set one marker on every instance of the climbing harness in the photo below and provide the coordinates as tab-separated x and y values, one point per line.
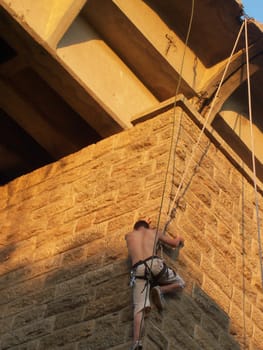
148	275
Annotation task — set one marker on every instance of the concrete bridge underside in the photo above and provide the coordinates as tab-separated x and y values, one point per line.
74	72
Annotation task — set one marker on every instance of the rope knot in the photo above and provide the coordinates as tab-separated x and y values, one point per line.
173	213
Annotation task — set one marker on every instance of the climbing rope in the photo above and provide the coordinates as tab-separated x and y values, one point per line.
169	160
171	215
253	155
173	121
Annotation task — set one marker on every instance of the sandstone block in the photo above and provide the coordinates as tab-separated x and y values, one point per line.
179	339
211	308
68	301
66	336
33	314
205	340
106	305
69	318
36	330
26	302
217	276
227	342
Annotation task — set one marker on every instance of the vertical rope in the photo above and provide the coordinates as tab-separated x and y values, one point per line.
253	156
207	117
243	240
169	158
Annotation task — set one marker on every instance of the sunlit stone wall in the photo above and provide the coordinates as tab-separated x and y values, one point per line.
64	267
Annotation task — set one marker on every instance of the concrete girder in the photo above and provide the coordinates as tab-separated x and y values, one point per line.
214	26
101	71
49	19
235	76
22	155
26	116
121	98
13	66
230	85
53	70
145	43
65	21
138	43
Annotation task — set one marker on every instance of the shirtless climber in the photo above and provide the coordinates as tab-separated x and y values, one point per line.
149	272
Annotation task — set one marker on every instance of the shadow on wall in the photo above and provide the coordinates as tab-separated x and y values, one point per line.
190	322
80	301
68	305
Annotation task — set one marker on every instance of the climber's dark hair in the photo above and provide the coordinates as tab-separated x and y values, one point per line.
141	223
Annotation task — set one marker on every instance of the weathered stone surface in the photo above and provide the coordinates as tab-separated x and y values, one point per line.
217	276
64	267
108	304
25	302
68	302
258	336
238	319
63	337
6	323
31	345
181	340
27	333
17	291
109	333
158	338
31	315
69	318
205	340
67	273
257	317
211	308
227	342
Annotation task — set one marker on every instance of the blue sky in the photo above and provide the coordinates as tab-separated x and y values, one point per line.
254	8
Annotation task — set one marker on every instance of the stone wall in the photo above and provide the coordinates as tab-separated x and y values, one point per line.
64	267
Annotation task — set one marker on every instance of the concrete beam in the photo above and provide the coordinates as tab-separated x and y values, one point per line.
231	84
234	77
13	66
214	75
144	42
24	153
214	26
64	22
101	71
57	74
48	19
30	119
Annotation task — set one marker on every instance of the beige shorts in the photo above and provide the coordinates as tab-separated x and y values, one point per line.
141	288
